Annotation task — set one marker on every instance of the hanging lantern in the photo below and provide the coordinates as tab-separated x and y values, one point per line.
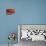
12	36
10	11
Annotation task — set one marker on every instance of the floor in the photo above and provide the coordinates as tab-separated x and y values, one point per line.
7	45
30	43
